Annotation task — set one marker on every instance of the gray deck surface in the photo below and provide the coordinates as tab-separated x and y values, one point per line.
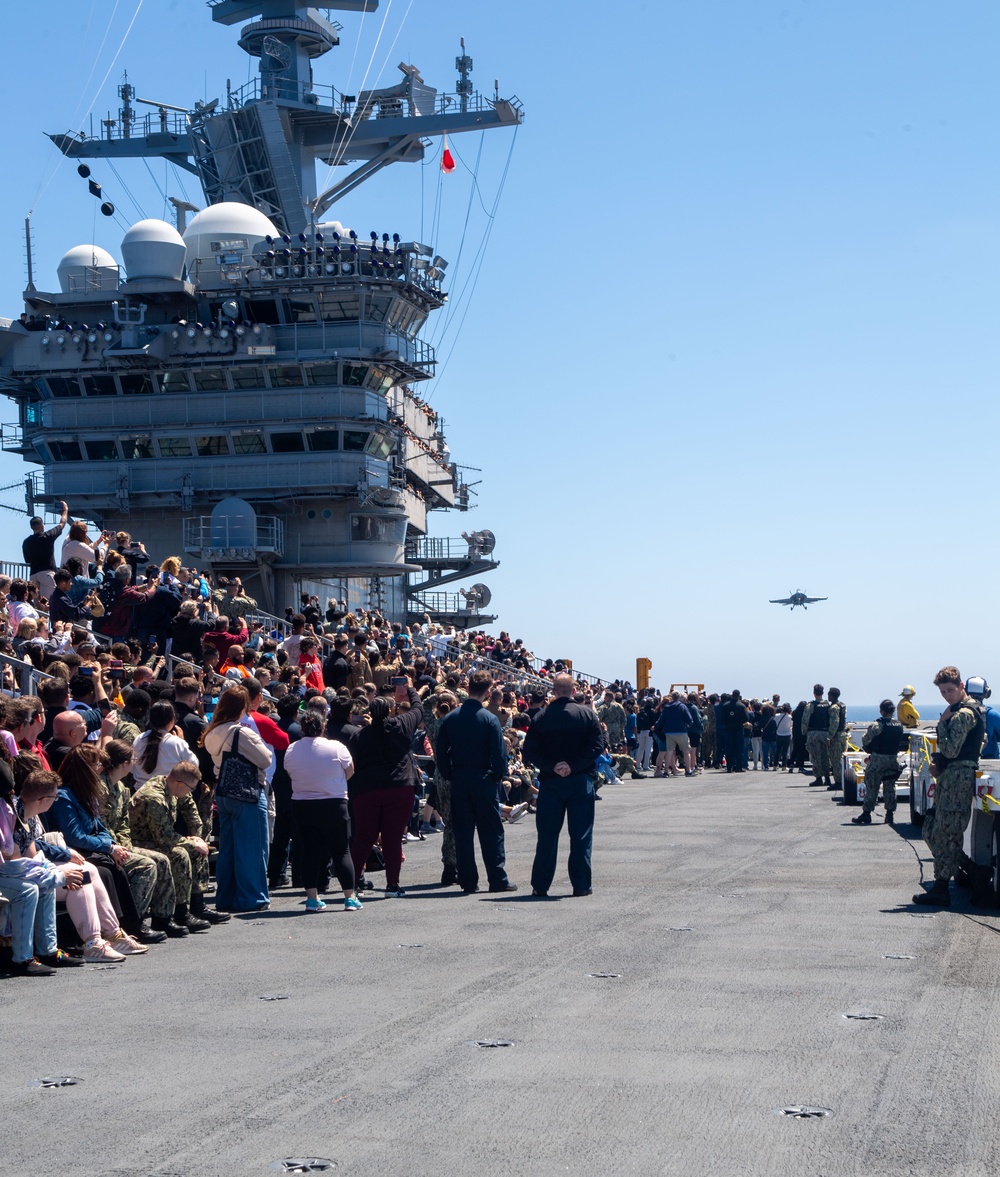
675	1068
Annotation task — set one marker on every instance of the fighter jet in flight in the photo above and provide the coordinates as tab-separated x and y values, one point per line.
797	598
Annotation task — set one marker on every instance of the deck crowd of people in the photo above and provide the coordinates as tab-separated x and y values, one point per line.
157	731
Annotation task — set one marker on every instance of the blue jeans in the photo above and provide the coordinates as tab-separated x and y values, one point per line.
32	918
770	754
241	869
572	798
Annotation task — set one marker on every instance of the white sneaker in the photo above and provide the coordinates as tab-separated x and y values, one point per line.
100	952
517	812
122	942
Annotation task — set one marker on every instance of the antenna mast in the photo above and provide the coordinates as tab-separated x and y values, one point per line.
27	242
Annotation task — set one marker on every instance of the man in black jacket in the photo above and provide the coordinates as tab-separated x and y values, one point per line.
732	717
471	754
563	743
337	668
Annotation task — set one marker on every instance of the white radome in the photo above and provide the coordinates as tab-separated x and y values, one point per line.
83	260
227	227
153	249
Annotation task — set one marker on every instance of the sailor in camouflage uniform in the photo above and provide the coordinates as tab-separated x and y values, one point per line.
612	715
838	740
819	722
960	733
883	739
232	601
156	811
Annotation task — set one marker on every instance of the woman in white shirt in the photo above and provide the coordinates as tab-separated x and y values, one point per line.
158	750
784	734
319	770
77	544
18	607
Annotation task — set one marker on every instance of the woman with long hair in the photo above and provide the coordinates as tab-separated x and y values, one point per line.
159	749
82	890
76	812
241	869
385	777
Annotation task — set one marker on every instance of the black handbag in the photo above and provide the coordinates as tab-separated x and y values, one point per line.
238	780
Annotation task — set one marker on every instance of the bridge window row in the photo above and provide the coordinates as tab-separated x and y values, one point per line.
289	441
183	380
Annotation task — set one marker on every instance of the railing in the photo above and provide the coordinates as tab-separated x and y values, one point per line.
434	548
14	569
446	603
28	675
229	535
423	103
11	438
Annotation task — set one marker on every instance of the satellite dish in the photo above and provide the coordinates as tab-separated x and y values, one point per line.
487	541
279	53
385	496
479	595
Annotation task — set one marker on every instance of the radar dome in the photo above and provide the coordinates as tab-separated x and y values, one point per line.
87	267
153	249
226	230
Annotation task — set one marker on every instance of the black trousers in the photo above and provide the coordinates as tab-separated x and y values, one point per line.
325	833
119	892
734	750
284	831
475	809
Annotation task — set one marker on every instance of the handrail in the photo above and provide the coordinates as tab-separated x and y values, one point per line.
31	676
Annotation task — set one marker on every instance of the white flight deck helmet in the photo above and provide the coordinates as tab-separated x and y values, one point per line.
978	687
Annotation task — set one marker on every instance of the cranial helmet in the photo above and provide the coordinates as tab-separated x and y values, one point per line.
978	687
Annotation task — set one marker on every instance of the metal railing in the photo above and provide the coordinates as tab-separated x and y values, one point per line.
28	675
14	569
435	548
448	604
229	535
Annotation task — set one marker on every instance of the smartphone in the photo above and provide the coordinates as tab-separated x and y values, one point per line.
86	876
402	681
88	670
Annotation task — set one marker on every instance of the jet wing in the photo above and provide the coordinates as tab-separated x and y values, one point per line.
781	601
812	600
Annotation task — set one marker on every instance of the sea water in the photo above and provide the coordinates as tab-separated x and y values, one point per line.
862	713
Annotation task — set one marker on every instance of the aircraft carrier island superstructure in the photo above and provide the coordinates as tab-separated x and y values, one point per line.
240	389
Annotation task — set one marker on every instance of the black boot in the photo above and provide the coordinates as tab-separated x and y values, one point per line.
449	877
203	912
937	896
890	819
183	916
145	936
165	924
863	819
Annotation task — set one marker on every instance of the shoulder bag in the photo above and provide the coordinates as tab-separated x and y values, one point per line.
238	779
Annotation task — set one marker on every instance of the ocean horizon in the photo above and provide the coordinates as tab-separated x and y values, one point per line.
868	713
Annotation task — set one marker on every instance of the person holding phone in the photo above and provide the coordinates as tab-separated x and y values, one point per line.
385	779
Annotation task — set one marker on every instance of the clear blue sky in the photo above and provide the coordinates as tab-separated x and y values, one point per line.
734	333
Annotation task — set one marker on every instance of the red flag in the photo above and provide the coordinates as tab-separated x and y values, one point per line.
447	159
